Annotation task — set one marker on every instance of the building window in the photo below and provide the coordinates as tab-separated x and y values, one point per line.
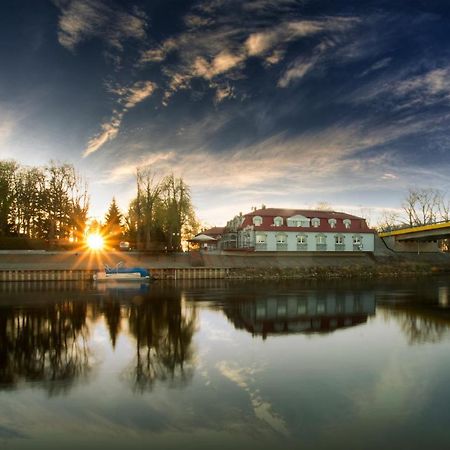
298	221
278	221
315	222
332	223
347	223
257	221
339	239
281	239
302	239
321	239
260	238
357	243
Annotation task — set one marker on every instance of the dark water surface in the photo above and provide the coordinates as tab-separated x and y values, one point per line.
205	365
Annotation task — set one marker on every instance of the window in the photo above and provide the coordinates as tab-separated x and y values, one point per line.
315	222
260	238
281	239
301	239
298	221
339	239
278	221
257	221
357	243
347	223
332	223
321	239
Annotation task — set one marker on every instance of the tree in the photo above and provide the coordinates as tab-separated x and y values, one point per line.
162	213
422	206
179	215
113	221
389	220
148	191
7	173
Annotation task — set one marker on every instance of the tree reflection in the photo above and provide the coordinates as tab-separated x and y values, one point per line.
163	330
419	323
46	344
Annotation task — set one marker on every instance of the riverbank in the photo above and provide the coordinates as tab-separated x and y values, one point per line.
73	266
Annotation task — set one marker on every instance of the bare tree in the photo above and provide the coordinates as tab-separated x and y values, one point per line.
148	190
422	206
389	220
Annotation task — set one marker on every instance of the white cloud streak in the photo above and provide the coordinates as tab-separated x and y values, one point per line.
129	97
81	20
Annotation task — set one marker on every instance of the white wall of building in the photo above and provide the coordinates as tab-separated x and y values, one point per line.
367	240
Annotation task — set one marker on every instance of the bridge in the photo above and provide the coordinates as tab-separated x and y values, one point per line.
419	238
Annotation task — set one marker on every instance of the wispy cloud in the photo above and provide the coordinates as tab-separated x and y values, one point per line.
83	19
216	50
407	89
316	158
244	378
128	97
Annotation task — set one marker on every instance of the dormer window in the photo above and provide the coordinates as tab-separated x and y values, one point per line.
315	222
257	221
332	223
347	223
298	221
278	221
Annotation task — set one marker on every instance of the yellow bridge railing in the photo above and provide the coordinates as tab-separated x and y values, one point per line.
431	227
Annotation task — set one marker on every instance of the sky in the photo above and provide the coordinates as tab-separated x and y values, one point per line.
286	103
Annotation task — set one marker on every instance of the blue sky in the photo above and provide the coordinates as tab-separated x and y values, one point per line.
287	103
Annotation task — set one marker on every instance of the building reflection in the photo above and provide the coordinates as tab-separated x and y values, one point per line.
307	312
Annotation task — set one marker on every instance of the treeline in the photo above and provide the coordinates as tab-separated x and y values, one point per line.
51	203
48	202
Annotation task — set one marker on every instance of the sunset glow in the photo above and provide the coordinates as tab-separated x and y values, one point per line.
95	242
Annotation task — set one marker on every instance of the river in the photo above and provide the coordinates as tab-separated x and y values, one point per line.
226	365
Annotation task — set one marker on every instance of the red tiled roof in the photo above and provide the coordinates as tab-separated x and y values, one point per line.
310	213
214	231
358	224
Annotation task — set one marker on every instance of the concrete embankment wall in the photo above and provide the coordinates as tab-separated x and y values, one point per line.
71	266
87	275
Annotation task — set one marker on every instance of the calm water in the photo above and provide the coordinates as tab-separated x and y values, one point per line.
226	365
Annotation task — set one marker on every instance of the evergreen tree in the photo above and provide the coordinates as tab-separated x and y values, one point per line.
113	221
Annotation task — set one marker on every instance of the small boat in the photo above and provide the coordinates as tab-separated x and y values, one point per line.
121	273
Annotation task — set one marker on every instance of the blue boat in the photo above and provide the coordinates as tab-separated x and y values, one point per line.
119	272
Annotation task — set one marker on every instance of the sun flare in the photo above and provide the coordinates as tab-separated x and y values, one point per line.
95	242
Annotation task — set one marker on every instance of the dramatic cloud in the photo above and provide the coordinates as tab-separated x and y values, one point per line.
213	49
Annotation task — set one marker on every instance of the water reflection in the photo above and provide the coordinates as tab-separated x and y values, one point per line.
45	344
423	312
48	341
306	312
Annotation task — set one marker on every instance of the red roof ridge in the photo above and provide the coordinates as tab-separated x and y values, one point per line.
289	212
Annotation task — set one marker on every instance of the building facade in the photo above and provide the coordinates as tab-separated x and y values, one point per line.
292	230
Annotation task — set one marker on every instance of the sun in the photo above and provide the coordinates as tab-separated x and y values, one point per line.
95	241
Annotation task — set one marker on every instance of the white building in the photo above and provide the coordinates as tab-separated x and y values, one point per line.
292	230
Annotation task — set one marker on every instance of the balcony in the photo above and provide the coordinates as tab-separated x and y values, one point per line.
261	246
282	247
321	247
302	247
339	247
